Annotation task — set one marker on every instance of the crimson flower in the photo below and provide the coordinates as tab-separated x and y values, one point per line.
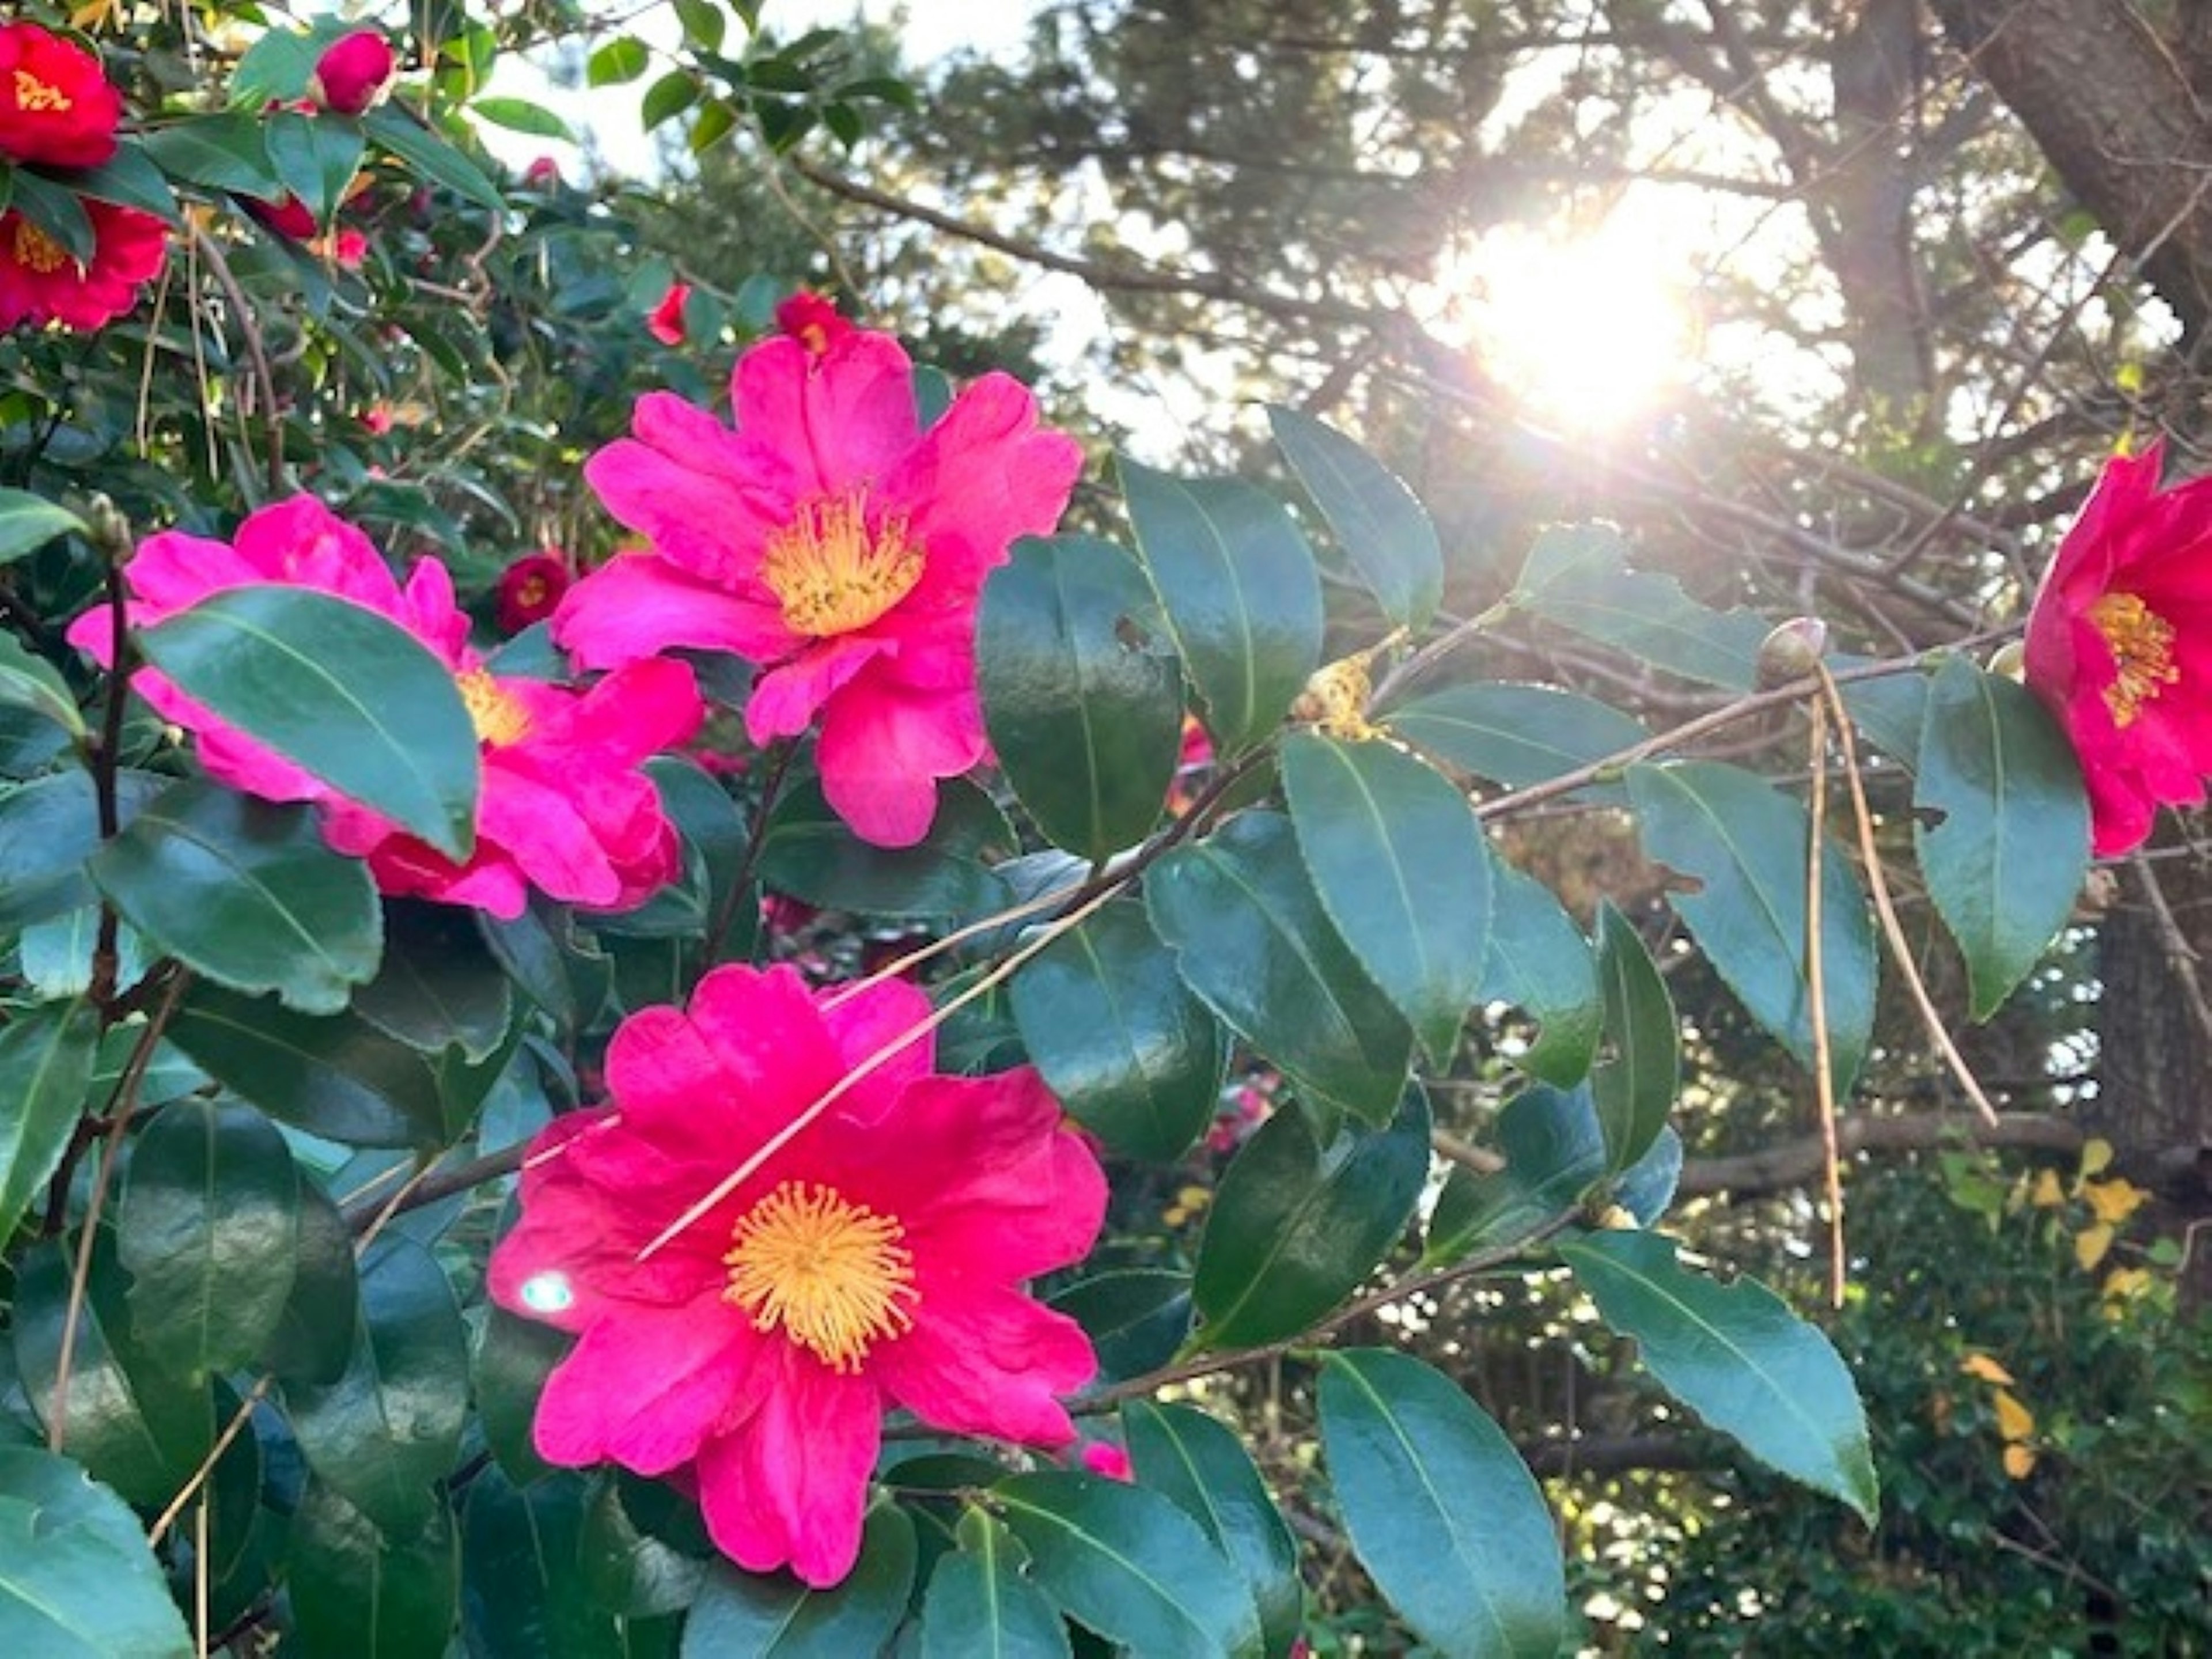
352	73
40	282
563	806
665	321
291	218
835	543
529	588
874	1258
2120	646
56	107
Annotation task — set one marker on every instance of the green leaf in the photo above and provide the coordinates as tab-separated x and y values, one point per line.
348	696
77	1579
385	1433
1083	707
45	1071
811	853
620	61
1135	1056
1379	523
1889	711
521	115
276	66
1553	1151
1239	593
1131	1566
33	684
128	178
431	156
365	1592
1540	963
339	1078
1518	735
316	156
48	827
208	1217
29	522
56	210
523	1594
222	152
1746	843
1737	1356
1442	1510
1135	1317
1401	866
1295	1227
774	1616
979	1606
247	893
1252	941
668	98
2009	844
1579	578
1192	1457
313	1339
1635	1088
440	986
513	1358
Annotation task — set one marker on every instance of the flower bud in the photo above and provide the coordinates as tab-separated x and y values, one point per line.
352	75
1792	652
2010	662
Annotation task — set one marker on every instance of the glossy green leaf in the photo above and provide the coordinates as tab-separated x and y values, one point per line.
2000	824
1401	865
1540	963
46	1074
348	696
1084	705
980	1605
276	66
56	954
1135	1317
668	98
642	1546
1516	735
29	522
367	1593
316	155
247	893
1579	577
512	1358
523	1594
1745	844
1129	1050
1378	522
1295	1227
1442	1512
1254	942
811	853
438	987
225	151
398	131
1737	1356
774	1616
313	1340
339	1078
128	178
1239	593
206	1228
48	827
704	24
34	684
386	1433
54	207
1131	1566
1634	1089
1191	1457
1553	1151
77	1579
1889	711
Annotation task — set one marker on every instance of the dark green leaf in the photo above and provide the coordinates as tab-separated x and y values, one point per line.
1746	843
811	853
431	156
276	66
1516	735
668	98
29	522
703	24
638	1540
1540	963
77	1580
128	178
1737	1356
1254	942
774	1616
222	152
1193	1458
315	155
348	696
45	1071
1133	1055
979	1606
56	210
1297	1227
439	986
33	684
247	893
1890	711
312	1341
2006	855
1443	1512
523	1593
206	1228
1553	1151
48	829
513	1358
1634	1089
1579	578
1377	521
1135	1317
1238	591
369	1594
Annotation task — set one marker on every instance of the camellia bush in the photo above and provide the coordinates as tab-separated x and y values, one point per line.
609	1104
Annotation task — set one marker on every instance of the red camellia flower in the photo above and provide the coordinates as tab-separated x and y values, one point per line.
2120	646
56	107
746	1336
563	806
835	543
352	73
291	218
665	321
40	283
529	589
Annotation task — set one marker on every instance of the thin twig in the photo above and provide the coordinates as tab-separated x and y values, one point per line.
200	1476
1824	1081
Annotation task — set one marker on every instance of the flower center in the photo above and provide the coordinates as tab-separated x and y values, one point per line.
37	252
2142	647
831	572
498	713
832	1272
34	97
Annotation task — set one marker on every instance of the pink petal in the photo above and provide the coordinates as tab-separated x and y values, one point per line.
646	1385
983	1359
844	417
882	752
786	699
789	1484
703	495
638	606
636	712
983	475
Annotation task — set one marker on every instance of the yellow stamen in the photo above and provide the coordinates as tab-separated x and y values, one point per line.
831	572
36	97
37	252
830	1273
2143	650
497	713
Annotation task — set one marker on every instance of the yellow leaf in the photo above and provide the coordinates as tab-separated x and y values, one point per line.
2048	1194
2114	1201
2015	1421
1986	1369
2019	1462
2096	1156
2090	1245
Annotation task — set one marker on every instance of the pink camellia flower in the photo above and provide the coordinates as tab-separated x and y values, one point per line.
2120	646
529	589
875	1258
543	174
564	805
1104	1457
40	282
665	321
835	543
56	109
352	73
